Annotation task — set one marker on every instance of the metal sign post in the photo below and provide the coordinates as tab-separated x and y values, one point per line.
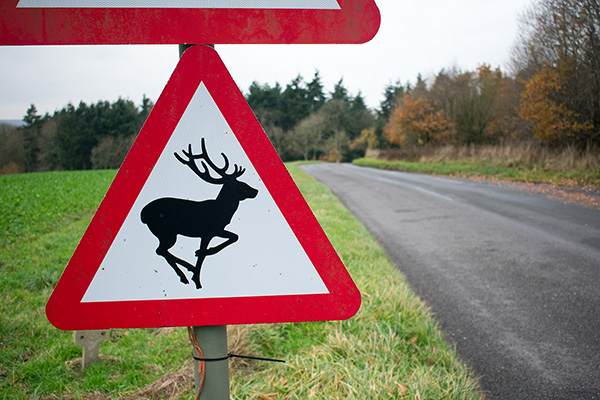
214	385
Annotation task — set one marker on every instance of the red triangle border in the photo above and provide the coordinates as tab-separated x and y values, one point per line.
200	64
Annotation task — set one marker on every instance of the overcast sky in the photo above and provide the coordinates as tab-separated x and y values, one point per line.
415	37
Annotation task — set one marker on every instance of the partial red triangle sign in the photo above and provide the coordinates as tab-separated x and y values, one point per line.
269	261
56	22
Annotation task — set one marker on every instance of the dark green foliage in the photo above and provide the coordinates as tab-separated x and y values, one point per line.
315	92
265	102
295	103
30	132
301	120
80	130
12	150
392	94
73	138
303	123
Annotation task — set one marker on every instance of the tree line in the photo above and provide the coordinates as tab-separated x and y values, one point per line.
84	137
303	122
550	95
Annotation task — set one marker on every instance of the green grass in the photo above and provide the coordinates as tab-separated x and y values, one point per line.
37	203
488	169
33	354
390	349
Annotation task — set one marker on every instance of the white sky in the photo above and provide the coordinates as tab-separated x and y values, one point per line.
415	37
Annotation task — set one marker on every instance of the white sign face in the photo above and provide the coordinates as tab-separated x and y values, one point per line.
266	260
229	4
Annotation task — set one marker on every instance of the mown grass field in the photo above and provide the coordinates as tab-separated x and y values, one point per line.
391	349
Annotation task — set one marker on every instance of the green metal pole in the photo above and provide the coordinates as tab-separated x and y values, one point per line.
213	342
184	47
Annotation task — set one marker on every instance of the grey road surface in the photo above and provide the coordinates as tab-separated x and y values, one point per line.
512	277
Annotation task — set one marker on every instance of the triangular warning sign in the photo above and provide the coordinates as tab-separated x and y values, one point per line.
202	225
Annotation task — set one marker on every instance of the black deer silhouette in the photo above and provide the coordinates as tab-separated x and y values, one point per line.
168	217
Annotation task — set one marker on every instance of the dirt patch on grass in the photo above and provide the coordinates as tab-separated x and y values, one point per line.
169	386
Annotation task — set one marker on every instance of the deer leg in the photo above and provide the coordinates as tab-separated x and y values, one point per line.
163	251
183	263
201	255
172	260
231	238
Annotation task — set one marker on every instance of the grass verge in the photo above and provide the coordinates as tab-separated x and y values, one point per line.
487	170
516	163
390	349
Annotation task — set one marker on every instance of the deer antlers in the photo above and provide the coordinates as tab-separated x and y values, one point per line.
205	174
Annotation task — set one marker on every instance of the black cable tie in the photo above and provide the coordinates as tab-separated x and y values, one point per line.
257	358
230	355
211	359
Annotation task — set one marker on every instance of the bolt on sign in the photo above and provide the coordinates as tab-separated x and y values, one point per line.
64	22
202	225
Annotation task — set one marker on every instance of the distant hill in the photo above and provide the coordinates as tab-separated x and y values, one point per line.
15	122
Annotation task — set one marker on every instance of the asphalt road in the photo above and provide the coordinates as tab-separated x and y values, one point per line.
512	277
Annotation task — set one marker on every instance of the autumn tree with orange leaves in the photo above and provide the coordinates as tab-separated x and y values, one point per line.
558	60
416	122
552	121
